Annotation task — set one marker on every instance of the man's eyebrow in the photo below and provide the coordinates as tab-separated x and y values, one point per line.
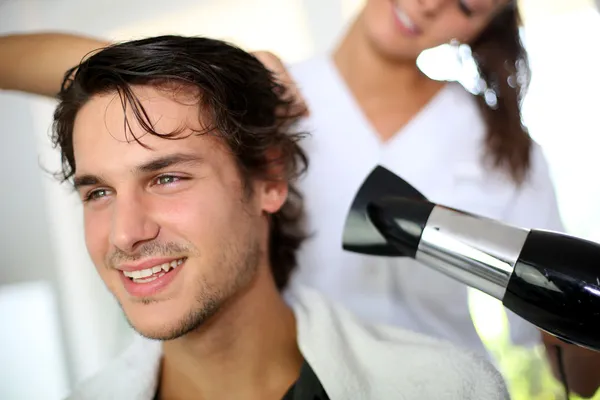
85	180
168	161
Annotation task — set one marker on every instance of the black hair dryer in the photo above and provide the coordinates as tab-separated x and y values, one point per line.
551	280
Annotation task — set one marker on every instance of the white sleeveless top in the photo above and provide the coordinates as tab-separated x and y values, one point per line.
439	152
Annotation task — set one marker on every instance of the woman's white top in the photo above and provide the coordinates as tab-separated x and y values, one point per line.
440	153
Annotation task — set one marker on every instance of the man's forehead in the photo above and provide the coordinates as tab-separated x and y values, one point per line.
122	115
108	133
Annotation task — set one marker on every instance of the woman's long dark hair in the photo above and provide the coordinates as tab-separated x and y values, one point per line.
503	66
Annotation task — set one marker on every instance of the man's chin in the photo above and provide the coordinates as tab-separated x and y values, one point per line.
153	323
163	333
161	321
166	329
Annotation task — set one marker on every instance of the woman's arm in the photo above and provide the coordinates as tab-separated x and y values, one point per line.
581	367
36	63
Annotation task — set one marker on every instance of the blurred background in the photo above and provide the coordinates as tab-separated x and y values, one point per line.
59	325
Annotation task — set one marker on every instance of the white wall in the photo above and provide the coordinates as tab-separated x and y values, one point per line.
562	111
41	236
31	361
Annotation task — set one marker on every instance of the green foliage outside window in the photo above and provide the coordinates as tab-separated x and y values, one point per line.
526	371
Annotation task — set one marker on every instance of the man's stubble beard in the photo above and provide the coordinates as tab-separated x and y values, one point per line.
240	263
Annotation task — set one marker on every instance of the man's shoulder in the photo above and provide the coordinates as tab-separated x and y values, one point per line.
379	362
133	375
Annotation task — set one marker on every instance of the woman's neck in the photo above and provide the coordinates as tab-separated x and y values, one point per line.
368	72
390	93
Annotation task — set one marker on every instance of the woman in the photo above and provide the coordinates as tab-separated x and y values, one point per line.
370	104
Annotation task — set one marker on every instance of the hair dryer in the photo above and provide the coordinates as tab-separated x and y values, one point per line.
551	280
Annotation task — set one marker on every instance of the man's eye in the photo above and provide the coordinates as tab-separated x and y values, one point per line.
166	179
96	194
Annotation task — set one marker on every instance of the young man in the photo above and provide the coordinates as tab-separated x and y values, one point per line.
185	165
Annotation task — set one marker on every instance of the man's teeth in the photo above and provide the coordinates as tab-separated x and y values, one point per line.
146	280
406	21
150	274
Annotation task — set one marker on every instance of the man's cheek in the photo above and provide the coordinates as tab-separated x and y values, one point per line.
97	247
109	277
193	219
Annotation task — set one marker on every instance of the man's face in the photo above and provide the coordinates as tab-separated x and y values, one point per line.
169	225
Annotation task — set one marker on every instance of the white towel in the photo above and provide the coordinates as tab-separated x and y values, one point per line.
354	360
351	359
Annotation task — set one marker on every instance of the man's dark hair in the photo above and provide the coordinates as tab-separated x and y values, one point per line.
241	97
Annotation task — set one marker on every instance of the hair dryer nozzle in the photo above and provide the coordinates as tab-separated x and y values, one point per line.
360	235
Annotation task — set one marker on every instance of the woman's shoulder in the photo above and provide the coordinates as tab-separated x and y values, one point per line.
310	69
535	204
463	101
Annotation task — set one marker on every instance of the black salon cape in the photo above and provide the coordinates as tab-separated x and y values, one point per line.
307	387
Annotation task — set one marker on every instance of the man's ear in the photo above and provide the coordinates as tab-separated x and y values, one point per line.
275	190
274	195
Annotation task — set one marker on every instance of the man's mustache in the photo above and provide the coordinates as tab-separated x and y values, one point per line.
147	250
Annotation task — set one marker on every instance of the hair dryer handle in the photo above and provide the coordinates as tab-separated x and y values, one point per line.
556	286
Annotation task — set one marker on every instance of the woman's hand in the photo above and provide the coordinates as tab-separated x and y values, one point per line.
273	63
581	366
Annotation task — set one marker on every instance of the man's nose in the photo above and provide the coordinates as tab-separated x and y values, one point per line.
132	224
